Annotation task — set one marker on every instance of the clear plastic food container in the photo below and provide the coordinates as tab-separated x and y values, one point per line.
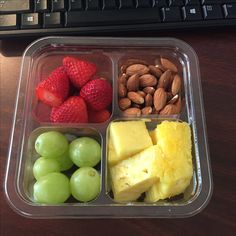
109	54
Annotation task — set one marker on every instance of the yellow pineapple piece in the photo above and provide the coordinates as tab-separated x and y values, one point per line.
135	175
129	138
153	135
111	157
174	164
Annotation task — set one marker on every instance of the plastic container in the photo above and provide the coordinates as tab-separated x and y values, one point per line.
108	53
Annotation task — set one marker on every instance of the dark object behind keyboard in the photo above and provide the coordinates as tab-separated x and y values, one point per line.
52	17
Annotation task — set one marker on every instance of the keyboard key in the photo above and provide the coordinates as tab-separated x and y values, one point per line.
192	2
171	14
126	16
160	3
210	2
92	4
52	20
192	13
41	5
58	5
8	21
126	4
212	12
230	10
179	3
75	5
7	6
109	4
30	20
143	3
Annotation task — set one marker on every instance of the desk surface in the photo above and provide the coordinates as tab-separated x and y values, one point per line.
217	58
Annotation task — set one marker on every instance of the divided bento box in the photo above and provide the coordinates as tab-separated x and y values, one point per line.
116	60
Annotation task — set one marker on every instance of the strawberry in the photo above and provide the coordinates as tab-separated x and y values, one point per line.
97	93
79	71
54	90
98	116
73	110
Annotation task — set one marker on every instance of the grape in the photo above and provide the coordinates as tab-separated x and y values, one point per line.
85	184
45	165
52	188
51	144
64	161
85	152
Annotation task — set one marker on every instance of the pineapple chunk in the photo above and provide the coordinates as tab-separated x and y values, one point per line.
135	175
129	138
174	165
153	135
111	157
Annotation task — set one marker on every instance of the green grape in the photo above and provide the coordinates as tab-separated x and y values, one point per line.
52	188
64	161
45	165
85	184
85	152
51	144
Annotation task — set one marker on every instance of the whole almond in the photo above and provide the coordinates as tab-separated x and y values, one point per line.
130	62
155	71
168	110
135	97
147	110
164	79
160	98
178	106
133	83
149	90
137	69
142	93
158	64
124	103
174	99
167	64
122	91
132	112
148	100
176	85
147	80
122	79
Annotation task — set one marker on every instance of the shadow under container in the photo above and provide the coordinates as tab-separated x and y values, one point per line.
45	54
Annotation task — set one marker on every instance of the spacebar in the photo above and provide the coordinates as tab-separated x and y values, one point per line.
109	17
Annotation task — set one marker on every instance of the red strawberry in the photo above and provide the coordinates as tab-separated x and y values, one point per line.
73	110
97	94
54	90
79	71
98	116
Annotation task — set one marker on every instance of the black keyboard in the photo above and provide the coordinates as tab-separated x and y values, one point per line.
53	17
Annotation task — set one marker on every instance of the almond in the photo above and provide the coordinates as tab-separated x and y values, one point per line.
168	110
149	90
141	93
154	111
122	91
132	112
122	79
178	106
148	100
173	99
135	97
176	85
158	64
124	103
133	83
164	79
146	110
130	62
155	71
137	69
160	98
167	64
147	80
136	105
